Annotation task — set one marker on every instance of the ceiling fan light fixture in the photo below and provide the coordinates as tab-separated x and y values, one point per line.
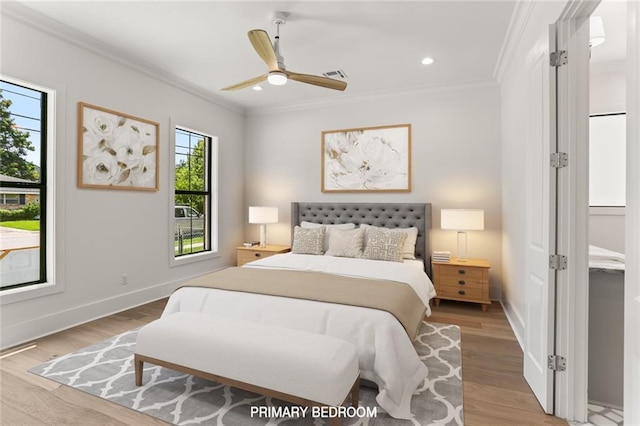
277	78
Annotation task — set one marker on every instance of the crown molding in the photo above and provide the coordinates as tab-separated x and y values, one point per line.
517	24
320	103
51	27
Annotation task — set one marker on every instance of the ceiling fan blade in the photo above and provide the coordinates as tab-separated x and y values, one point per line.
262	44
247	83
317	80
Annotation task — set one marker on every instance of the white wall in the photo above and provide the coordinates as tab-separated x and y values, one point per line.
102	234
607	94
455	155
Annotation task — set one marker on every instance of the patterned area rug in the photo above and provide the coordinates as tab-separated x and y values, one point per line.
106	370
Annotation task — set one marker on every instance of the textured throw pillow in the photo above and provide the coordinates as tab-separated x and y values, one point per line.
308	240
346	243
384	245
328	229
409	248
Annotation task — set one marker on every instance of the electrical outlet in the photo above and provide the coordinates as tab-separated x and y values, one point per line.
124	279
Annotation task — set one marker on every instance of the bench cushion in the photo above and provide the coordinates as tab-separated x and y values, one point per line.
312	366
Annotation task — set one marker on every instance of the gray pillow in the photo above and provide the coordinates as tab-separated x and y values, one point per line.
346	243
308	240
384	245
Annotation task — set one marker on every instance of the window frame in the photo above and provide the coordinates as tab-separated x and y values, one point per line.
50	283
212	167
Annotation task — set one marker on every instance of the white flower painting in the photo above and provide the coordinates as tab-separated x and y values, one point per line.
116	150
367	159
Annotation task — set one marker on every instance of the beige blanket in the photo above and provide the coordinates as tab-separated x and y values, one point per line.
394	297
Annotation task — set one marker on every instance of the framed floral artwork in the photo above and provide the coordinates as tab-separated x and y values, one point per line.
370	159
116	150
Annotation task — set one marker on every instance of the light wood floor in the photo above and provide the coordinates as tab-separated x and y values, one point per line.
495	393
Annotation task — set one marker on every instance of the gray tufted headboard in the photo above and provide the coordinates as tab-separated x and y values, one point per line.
388	215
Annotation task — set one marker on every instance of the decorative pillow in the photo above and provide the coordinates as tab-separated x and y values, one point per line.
384	245
308	240
346	243
409	249
343	226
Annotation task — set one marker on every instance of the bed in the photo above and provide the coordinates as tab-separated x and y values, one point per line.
386	354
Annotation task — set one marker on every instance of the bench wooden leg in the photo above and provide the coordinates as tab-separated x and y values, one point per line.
138	366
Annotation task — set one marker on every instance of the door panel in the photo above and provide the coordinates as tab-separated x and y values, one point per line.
541	217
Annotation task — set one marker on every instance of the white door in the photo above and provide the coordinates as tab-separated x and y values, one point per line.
541	220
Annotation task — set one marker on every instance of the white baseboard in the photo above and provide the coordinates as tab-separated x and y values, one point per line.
512	322
36	328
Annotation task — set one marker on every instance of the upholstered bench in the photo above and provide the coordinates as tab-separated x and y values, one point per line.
295	366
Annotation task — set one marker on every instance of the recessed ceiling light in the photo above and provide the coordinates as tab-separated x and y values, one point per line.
427	61
257	88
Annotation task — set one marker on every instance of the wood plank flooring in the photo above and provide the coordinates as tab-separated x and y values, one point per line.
495	393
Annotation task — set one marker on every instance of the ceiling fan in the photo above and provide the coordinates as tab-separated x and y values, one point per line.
278	74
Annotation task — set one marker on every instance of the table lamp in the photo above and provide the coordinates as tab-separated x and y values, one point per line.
462	220
262	216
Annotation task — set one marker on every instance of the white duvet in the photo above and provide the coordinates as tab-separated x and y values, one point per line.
386	354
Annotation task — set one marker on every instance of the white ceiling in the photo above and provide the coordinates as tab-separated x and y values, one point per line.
378	44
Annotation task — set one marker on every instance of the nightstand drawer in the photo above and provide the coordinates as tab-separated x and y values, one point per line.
462	281
460	272
250	255
460	292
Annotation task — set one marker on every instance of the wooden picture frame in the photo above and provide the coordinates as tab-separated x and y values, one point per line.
116	150
368	159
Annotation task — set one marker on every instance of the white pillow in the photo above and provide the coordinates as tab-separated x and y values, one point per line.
308	241
346	243
327	234
409	248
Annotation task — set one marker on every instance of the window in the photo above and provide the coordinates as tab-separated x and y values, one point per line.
607	160
195	201
23	185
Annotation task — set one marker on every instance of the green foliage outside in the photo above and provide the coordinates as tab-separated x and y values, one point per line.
190	175
29	212
14	147
25	225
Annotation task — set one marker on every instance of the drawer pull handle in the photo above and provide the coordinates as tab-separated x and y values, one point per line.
462	282
461	271
461	292
257	255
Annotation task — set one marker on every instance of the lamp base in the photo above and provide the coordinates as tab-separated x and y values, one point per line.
462	246
263	235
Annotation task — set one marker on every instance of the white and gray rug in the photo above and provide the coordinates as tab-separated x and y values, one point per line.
106	370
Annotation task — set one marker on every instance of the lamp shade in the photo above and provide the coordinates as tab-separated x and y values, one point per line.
462	219
263	215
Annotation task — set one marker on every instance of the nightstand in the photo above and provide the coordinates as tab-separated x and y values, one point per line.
467	281
248	254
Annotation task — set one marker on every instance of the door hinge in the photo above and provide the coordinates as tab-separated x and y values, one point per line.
558	58
556	363
559	160
557	262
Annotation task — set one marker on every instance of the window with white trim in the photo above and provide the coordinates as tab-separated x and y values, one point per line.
195	193
24	179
